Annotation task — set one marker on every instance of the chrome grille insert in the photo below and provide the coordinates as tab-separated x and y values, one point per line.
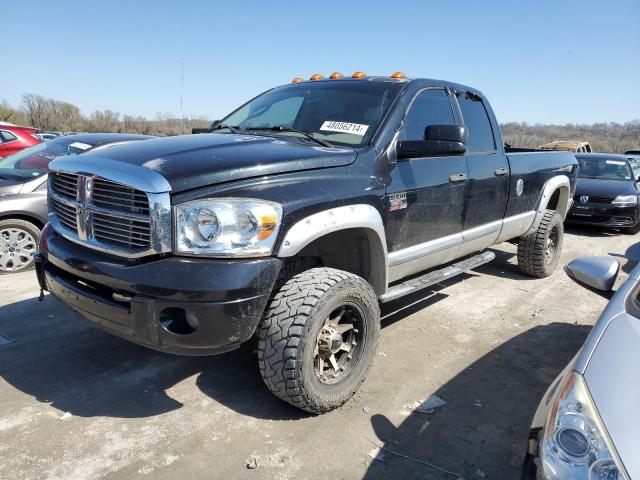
108	216
66	185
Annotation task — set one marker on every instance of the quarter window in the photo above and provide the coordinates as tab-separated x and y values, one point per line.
7	136
477	122
430	107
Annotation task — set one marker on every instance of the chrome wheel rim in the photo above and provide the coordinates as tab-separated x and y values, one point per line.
17	248
552	245
339	345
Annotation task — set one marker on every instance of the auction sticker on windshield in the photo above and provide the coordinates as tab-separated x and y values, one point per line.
80	145
344	127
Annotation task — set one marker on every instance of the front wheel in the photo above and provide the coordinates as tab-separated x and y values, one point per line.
318	339
633	230
18	244
539	252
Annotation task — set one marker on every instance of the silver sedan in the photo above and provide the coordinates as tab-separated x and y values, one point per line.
587	425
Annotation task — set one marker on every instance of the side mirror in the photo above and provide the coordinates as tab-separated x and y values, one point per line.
214	124
195	131
597	272
439	141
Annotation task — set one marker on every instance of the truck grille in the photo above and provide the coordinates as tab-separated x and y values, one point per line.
100	212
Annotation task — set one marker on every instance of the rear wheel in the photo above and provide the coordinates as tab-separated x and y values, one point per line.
18	244
539	252
318	339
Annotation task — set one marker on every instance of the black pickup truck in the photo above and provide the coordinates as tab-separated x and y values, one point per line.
294	219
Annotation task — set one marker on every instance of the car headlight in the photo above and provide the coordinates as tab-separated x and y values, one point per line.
575	443
227	227
625	201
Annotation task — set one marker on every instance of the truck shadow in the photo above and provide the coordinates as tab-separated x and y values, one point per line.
631	257
60	359
490	407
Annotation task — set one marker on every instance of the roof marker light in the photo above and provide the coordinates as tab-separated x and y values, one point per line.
336	75
316	76
398	75
297	80
359	75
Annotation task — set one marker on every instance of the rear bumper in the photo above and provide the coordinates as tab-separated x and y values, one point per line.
607	216
178	305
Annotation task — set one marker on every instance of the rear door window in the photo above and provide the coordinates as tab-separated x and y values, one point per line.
430	107
7	136
477	122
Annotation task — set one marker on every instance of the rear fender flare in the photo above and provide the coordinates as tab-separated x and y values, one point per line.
558	183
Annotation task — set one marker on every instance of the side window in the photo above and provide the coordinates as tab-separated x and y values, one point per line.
430	107
477	122
7	136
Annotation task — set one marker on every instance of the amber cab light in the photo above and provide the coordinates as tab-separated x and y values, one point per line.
359	75
316	76
398	75
335	75
297	80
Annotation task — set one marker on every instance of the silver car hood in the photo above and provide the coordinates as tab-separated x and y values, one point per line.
612	378
610	362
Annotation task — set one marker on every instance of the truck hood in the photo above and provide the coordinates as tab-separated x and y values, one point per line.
192	161
605	188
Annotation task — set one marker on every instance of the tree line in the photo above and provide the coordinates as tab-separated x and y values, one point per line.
53	115
49	114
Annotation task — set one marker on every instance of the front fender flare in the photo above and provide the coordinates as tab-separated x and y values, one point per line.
359	216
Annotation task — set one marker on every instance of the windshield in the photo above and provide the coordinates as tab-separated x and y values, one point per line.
342	112
635	163
34	161
604	168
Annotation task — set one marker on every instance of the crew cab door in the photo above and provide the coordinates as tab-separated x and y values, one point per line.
488	188
425	196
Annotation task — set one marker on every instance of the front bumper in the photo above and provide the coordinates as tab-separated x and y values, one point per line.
605	215
189	306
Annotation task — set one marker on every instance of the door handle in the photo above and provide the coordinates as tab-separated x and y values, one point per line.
501	171
458	177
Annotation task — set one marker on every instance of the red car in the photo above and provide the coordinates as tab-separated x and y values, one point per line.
14	138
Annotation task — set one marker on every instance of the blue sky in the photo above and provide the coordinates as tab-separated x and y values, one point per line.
548	61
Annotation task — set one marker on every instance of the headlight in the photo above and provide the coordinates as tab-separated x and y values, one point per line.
575	443
625	201
227	227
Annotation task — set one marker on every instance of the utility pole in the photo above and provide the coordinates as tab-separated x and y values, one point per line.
181	90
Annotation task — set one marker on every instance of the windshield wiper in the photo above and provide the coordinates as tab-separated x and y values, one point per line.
282	128
229	127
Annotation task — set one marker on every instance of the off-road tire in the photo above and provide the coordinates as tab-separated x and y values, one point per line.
289	331
533	259
24	226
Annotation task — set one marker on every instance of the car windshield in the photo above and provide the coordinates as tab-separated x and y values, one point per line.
334	111
604	168
635	163
34	161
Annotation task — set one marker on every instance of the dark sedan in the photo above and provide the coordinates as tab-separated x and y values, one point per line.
606	193
23	192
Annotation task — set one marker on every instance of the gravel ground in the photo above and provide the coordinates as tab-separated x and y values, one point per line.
77	403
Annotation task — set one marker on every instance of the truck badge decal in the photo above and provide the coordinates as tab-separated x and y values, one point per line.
584	198
397	201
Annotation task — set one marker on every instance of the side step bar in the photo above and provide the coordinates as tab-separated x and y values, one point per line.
436	276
